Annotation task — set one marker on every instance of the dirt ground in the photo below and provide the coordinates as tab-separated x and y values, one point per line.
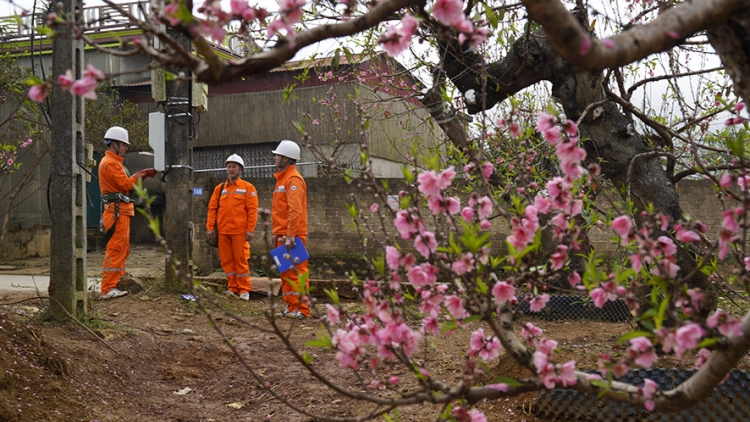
155	356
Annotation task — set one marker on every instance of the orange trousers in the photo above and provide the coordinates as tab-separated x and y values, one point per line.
234	252
118	249
289	279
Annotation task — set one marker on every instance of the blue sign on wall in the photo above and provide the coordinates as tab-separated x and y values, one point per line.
197	191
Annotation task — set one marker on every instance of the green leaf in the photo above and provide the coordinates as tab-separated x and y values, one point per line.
491	17
307	358
634	334
322	340
336	59
708	342
333	294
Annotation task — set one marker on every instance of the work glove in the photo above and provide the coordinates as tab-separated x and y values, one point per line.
145	173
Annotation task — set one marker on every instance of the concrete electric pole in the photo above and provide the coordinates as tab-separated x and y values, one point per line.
67	189
178	213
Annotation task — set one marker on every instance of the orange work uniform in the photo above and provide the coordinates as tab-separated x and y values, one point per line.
114	178
238	214
289	218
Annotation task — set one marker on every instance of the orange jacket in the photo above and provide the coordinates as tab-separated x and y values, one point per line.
289	204
114	177
238	209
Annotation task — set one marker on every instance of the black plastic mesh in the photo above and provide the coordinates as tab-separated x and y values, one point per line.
577	307
728	402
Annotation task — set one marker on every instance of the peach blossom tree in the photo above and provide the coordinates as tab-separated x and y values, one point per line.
531	163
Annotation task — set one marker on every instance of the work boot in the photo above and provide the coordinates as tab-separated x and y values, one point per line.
296	315
283	313
114	293
245	296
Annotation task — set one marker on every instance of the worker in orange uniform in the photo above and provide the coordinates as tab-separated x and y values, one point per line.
115	183
237	203
289	220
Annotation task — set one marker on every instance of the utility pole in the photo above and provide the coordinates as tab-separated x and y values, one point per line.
67	189
178	215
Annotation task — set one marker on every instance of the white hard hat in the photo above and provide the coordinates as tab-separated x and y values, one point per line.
234	158
287	149
116	133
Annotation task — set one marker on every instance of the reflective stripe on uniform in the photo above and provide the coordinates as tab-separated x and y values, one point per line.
113	269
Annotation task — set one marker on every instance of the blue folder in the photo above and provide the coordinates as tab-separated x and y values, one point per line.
297	254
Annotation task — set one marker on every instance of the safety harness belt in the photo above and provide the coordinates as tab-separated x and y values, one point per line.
112	198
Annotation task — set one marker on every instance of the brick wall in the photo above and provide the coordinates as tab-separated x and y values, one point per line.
333	241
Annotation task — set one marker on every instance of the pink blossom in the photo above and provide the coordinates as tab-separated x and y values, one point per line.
503	292
488	348
515	130
333	314
687	337
649	388
543	204
728	326
430	325
574	279
702	357
9	162
635	262
425	244
463	264
85	88
552	135
65	81
608	43
476	416
674	35
468	214
559	257
448	11
739	106
585	46
485	224
455	306
94	73
499	387
644	351
530	330
487	170
422	275
171	13
729	223
452	205
38	92
428	183
393	380
484	207
538	303
686	236
545	122
727	180
599	296
746	260
277	25
238	7
392	256
405	227
394	41
409	24
465	26
667	246
292	10
622	226
567	373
